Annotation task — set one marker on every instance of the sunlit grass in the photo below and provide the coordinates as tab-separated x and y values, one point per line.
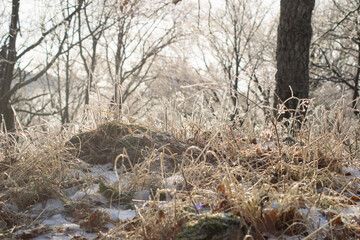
270	188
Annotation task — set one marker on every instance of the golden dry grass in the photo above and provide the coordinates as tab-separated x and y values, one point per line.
272	188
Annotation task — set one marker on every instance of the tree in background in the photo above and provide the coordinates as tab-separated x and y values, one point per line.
292	55
11	77
96	22
121	53
336	50
238	39
78	51
142	30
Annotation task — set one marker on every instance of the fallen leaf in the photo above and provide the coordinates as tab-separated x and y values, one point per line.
331	213
337	221
355	198
33	233
95	222
222	205
221	188
80	214
161	214
269	220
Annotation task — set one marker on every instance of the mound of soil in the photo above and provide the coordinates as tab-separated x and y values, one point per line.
130	144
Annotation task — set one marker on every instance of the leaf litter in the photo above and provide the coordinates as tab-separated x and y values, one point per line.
308	192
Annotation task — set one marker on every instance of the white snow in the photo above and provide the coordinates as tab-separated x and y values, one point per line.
105	171
57	220
119	214
50	204
142	195
174	182
51	214
355	172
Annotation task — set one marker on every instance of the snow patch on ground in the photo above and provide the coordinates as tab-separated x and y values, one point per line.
354	172
54	205
52	215
119	214
52	220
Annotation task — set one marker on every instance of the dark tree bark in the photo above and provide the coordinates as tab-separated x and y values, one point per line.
355	97
9	57
7	64
292	55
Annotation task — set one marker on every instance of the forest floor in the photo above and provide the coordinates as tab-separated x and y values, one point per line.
128	181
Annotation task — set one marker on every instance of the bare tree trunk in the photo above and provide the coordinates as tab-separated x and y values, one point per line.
292	54
234	88
119	57
9	84
7	64
91	72
95	33
356	85
357	75
65	116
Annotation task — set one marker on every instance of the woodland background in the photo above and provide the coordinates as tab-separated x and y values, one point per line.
142	59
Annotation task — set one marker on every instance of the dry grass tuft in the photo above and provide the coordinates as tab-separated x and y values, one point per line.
272	186
237	184
32	172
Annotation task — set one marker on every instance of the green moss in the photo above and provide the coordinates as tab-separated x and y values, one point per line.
209	226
